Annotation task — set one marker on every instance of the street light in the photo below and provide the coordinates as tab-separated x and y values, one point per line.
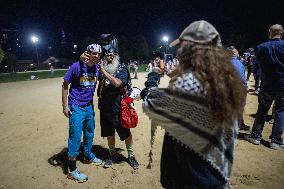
35	40
165	38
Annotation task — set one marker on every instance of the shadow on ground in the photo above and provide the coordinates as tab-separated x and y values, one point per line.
60	159
241	136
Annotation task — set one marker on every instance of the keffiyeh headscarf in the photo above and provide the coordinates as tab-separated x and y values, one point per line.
185	116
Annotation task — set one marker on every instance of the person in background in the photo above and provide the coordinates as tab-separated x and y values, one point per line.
270	56
159	65
52	71
150	67
133	68
241	70
256	75
249	62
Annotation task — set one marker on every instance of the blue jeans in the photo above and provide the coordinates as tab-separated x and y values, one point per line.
265	100
82	119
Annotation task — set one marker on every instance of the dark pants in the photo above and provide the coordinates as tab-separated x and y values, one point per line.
265	100
249	69
256	75
241	119
181	168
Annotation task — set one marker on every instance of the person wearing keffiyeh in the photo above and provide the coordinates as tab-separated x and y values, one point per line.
199	111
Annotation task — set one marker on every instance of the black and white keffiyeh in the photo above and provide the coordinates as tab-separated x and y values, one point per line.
185	116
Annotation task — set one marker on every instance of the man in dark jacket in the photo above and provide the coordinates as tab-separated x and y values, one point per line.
270	56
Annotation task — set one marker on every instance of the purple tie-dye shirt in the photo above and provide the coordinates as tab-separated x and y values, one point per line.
83	80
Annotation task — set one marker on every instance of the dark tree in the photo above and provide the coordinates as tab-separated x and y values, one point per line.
10	60
139	48
2	54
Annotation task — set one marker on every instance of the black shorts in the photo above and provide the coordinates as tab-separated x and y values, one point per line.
111	122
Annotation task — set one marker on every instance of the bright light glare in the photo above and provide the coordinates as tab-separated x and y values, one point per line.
165	38
34	39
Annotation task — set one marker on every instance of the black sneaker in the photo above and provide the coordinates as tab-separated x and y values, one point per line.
108	163
252	140
244	127
133	162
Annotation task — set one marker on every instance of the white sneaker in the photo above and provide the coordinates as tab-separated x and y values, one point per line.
77	176
276	146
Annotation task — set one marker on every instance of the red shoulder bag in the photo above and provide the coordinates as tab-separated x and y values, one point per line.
128	115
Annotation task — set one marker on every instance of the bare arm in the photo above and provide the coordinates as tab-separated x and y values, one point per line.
116	82
66	110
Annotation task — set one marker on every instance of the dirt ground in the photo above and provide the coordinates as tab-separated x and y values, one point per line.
33	134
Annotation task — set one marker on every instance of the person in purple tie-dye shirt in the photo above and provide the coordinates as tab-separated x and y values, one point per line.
79	108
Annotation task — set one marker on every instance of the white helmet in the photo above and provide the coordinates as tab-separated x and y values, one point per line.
94	48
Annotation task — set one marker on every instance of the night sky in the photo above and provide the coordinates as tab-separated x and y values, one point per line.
242	22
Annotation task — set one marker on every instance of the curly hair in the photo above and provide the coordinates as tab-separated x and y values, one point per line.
212	66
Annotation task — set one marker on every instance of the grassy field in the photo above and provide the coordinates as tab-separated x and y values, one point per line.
142	67
24	76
